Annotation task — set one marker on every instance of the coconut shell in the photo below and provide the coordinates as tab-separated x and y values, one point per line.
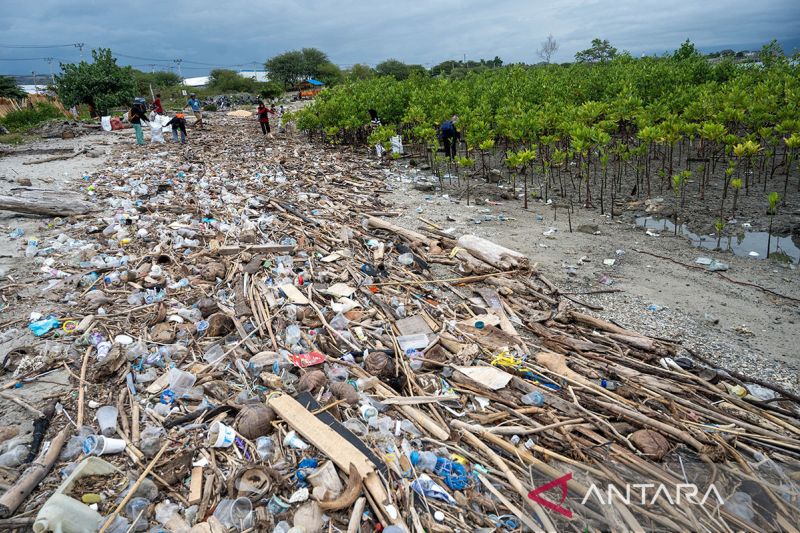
207	306
254	421
219	325
344	391
163	332
212	271
651	443
312	381
378	364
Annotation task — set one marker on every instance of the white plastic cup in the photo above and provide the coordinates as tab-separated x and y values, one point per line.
107	420
233	513
220	435
367	411
100	445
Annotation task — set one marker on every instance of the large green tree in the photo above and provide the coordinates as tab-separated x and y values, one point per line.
291	67
101	84
9	88
360	72
601	50
157	80
397	69
229	81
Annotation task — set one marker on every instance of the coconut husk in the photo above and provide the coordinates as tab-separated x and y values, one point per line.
207	307
651	443
312	381
212	271
254	421
163	332
219	325
344	391
378	364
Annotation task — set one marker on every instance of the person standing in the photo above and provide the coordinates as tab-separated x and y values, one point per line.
178	122
157	105
136	116
263	118
449	136
197	109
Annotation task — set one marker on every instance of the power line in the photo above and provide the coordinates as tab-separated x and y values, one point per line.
36	45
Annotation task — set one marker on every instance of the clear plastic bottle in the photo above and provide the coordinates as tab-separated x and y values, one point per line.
292	334
31	248
15	456
423	461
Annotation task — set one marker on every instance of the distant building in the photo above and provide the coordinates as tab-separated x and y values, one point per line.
199	81
34	89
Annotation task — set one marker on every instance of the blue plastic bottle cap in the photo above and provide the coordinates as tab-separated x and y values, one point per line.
479	324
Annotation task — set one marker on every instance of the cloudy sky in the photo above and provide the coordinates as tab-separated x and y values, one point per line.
240	34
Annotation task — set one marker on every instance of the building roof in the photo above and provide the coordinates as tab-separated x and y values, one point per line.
312	81
196	82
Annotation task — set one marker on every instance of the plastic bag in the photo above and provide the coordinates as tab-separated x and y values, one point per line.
105	122
157	132
397	145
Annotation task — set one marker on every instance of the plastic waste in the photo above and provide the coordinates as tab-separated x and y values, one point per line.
718	266
405	259
136	511
265	447
107	420
213	353
424	461
15	456
41	327
534	398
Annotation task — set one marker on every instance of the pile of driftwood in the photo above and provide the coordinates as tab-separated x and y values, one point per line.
374	373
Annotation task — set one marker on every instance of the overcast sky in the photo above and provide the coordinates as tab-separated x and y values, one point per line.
237	33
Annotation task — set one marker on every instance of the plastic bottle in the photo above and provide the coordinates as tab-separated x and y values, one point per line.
292	334
405	259
264	447
534	398
136	511
32	247
609	384
15	456
423	461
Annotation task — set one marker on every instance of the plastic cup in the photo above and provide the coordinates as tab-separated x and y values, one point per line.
107	420
180	381
220	435
100	445
293	441
233	513
325	476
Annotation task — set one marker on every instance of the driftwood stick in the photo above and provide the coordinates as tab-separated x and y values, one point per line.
29	480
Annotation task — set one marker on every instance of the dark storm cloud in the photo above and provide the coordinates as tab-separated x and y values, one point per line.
239	32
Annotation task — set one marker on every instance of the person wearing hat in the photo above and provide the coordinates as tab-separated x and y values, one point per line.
136	115
178	122
197	109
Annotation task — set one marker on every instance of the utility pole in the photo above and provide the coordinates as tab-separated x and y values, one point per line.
178	62
80	46
34	81
50	62
152	67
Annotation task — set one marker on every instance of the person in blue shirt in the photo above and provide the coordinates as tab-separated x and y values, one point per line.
449	135
197	109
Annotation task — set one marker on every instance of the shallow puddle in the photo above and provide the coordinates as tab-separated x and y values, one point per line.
781	248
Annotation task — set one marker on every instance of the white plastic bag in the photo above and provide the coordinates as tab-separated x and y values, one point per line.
379	150
397	145
157	135
105	122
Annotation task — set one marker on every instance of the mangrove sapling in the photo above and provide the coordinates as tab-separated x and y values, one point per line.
772	210
678	185
792	144
719	225
466	163
736	185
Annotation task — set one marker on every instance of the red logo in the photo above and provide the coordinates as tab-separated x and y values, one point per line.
560	482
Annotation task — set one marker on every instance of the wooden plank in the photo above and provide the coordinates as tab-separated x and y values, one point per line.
336	447
196	485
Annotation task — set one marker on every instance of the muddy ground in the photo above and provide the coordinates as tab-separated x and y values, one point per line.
661	290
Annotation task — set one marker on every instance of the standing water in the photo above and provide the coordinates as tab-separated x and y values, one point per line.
741	244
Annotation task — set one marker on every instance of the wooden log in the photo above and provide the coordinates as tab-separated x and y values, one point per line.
407	234
494	254
46	203
29	480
